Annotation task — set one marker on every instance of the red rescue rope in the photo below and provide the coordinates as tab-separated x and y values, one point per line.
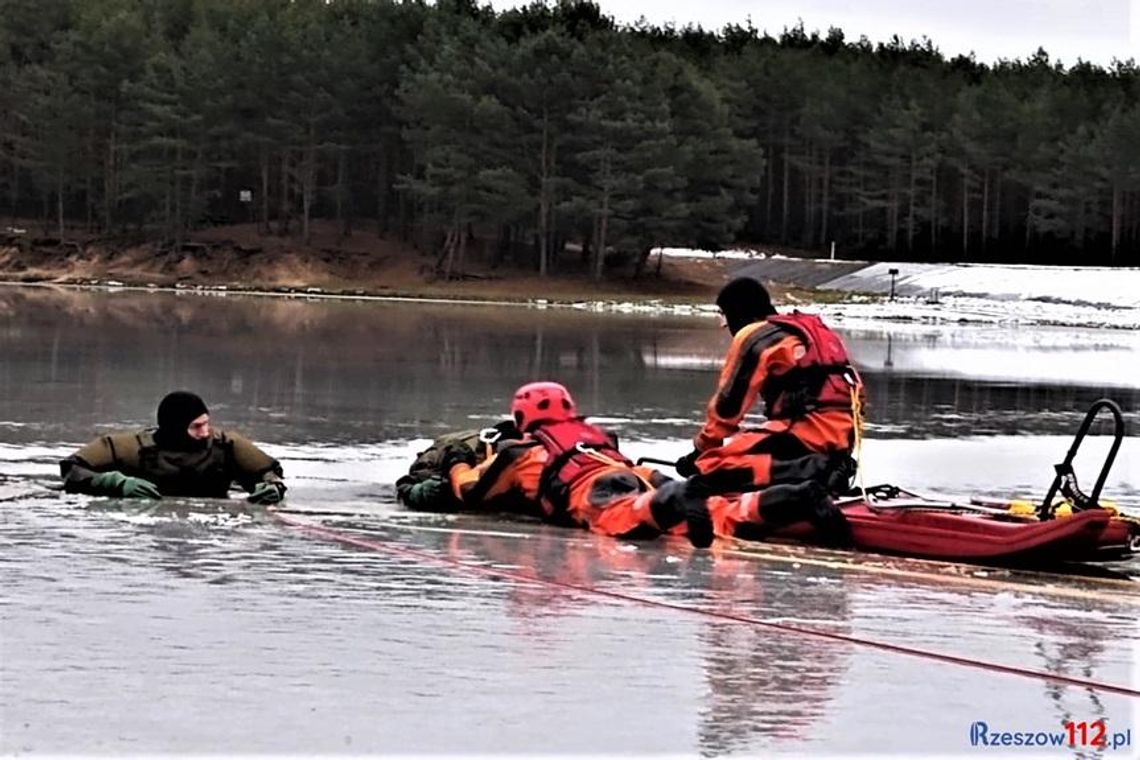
345	538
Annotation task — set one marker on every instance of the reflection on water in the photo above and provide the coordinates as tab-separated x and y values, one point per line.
317	648
751	669
197	627
935	407
288	370
765	689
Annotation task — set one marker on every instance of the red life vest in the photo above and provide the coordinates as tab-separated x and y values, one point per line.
822	378
568	444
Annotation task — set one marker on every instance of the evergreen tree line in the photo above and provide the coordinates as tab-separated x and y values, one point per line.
521	135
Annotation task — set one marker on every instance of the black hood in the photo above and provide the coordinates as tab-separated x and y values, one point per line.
175	413
744	301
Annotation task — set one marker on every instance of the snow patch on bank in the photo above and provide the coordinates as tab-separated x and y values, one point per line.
1114	288
973	310
1010	294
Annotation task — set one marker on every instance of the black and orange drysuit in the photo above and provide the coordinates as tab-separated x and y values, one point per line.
575	472
800	370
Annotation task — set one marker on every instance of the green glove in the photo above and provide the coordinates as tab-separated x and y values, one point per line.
115	483
267	492
430	493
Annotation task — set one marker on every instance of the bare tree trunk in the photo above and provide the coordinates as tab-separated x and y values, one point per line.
985	209
446	259
308	180
1029	217
263	222
342	191
965	212
934	209
382	191
167	210
1132	212
15	190
1082	206
59	201
825	206
544	200
1116	208
110	178
461	255
893	217
45	215
910	219
192	202
770	166
808	233
404	212
283	207
603	224
88	199
642	258
177	179
92	150
784	215
997	208
1131	220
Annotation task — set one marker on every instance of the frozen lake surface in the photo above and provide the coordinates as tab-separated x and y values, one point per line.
199	629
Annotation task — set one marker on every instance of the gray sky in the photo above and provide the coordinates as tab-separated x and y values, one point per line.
1093	30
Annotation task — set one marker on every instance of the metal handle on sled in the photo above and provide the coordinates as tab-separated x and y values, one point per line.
1065	468
655	460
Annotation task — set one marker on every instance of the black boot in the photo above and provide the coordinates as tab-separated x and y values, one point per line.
783	505
841	472
697	515
831	526
684	501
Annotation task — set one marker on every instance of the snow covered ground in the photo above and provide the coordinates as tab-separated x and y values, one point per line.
1095	286
972	293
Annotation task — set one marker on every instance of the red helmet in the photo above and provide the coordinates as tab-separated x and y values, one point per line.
542	402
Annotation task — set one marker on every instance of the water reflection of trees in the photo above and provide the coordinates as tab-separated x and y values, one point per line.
764	686
287	370
1080	645
933	406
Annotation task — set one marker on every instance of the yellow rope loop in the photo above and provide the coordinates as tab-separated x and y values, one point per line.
599	456
857	416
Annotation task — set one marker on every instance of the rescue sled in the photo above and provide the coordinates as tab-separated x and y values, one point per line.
1074	528
893	521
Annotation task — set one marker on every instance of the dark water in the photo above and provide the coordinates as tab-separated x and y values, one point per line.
190	629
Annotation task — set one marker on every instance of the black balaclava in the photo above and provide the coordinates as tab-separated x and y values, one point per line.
175	413
744	301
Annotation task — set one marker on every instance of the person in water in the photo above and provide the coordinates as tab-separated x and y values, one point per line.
812	398
574	471
183	456
424	487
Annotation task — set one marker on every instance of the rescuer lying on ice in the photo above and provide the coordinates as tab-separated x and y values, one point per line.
574	471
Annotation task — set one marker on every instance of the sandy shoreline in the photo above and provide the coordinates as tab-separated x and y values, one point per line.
649	305
852	310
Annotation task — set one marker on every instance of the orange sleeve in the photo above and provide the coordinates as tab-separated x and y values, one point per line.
756	352
522	474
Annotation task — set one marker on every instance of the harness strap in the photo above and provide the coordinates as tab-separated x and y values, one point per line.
595	454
